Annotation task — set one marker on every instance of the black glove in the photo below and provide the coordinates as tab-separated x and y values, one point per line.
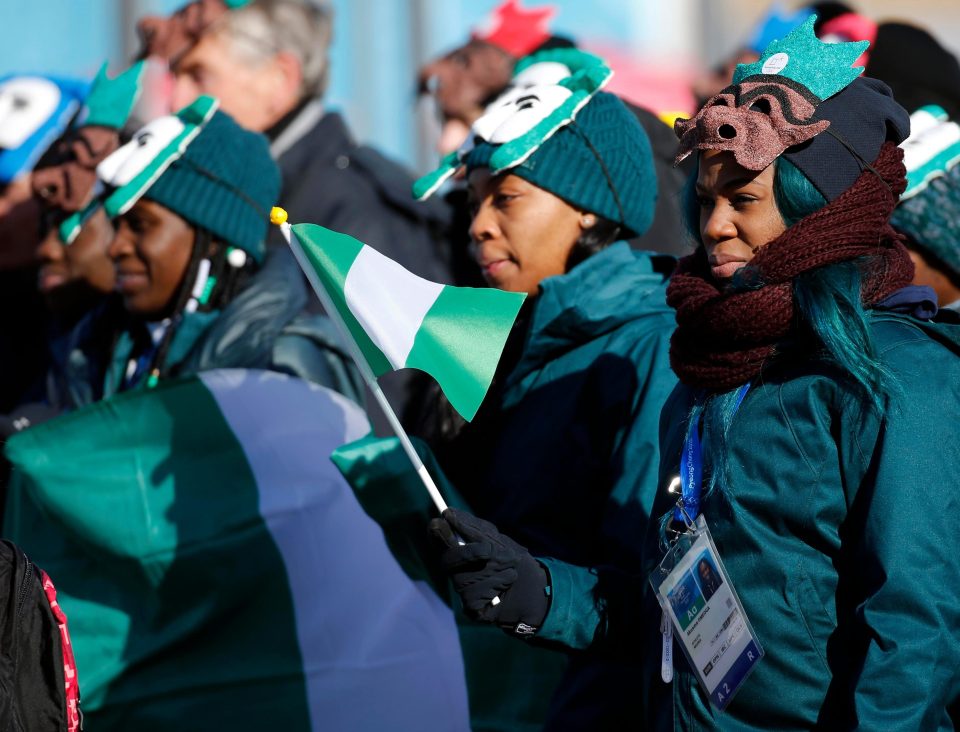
497	579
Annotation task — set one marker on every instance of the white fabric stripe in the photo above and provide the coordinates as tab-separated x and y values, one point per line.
380	652
922	120
389	302
920	150
305	121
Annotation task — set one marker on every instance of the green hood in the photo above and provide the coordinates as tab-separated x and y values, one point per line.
613	287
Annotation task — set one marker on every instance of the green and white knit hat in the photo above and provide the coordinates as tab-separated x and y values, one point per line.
557	130
548	90
204	167
929	209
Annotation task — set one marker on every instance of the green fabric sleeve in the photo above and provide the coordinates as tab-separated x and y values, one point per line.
591	606
573	616
901	550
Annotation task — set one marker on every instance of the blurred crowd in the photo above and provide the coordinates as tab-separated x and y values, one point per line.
750	313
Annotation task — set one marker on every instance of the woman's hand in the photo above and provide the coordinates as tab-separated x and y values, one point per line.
497	579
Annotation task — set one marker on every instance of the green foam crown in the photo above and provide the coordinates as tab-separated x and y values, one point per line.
823	68
111	100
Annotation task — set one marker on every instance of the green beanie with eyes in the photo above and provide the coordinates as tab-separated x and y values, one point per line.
204	167
600	162
225	182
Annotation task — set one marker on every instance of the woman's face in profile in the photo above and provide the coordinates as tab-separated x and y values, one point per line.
520	233
738	211
150	251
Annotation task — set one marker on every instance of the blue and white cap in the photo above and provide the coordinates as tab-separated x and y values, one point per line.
34	111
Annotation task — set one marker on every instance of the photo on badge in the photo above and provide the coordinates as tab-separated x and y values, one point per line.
708	577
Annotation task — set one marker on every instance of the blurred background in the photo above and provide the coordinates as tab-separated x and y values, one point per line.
655	46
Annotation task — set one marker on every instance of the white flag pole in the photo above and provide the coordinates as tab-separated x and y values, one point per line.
279	216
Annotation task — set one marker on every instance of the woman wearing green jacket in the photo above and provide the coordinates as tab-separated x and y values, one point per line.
195	291
565	445
822	398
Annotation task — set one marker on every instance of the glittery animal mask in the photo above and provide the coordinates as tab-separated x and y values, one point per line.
771	104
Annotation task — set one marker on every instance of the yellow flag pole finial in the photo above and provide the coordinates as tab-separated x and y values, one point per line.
278	216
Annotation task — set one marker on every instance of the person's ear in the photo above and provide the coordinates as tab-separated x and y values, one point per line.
287	79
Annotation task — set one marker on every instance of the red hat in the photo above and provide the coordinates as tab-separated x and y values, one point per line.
516	30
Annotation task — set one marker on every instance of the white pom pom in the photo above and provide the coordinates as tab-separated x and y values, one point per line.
236	257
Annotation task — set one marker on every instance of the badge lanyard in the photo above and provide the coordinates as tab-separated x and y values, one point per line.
691	469
701	608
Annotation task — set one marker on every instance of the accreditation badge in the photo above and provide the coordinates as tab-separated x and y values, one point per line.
702	610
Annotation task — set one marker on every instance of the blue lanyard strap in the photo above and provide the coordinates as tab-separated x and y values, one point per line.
691	468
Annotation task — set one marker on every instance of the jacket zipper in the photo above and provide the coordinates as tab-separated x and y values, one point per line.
24	587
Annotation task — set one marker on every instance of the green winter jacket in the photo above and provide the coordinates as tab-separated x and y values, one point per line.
263	327
562	457
840	537
567	441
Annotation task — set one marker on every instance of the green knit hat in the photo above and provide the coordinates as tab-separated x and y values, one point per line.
601	162
930	206
547	90
555	128
204	167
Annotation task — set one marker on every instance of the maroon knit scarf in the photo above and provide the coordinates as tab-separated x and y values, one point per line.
724	337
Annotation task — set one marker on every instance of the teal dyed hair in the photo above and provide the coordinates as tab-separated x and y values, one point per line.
795	195
829	307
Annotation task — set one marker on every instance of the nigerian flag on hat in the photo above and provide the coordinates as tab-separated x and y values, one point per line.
399	320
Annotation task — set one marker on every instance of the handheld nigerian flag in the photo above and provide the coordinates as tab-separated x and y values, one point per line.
393	319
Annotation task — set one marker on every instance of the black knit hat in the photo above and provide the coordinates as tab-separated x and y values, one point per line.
862	117
916	67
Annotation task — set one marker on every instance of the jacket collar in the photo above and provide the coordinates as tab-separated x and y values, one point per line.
289	131
245	331
322	142
599	295
242	334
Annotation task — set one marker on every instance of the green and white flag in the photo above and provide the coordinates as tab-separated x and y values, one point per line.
496	665
400	320
217	571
